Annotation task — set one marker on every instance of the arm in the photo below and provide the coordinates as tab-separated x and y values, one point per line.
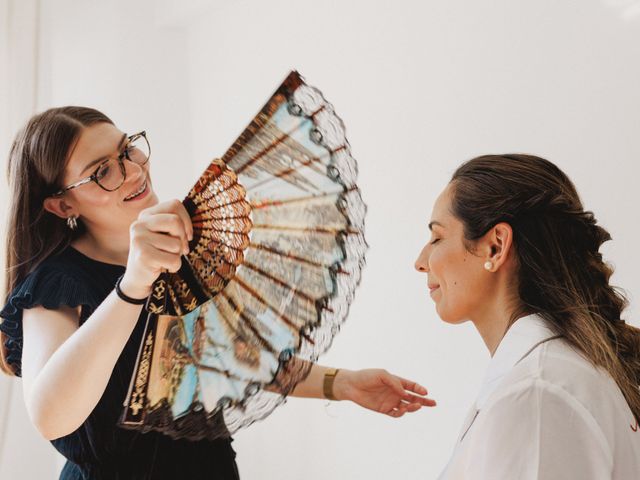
66	368
374	389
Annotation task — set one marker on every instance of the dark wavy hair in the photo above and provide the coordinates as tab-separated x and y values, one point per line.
561	274
37	160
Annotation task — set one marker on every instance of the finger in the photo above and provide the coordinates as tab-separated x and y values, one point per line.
395	383
412	386
169	223
162	207
165	243
397	412
184	216
427	402
160	260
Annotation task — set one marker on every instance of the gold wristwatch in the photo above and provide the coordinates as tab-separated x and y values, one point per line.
327	384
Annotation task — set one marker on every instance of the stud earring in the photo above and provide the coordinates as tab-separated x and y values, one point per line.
72	222
488	266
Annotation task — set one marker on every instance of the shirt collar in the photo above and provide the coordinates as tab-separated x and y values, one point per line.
524	334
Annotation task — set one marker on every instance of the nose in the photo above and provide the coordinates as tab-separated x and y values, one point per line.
422	262
134	171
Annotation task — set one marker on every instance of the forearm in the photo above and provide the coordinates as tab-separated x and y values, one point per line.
312	385
72	381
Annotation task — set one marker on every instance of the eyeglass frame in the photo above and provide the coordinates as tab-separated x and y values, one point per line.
120	159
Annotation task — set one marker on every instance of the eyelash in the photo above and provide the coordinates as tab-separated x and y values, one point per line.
435	241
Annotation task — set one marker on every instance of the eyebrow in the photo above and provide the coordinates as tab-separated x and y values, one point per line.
431	224
102	159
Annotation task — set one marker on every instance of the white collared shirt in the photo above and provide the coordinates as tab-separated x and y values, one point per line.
544	412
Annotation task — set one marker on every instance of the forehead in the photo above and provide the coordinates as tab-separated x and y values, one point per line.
96	141
441	208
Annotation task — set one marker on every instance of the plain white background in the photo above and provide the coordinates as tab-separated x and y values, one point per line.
421	86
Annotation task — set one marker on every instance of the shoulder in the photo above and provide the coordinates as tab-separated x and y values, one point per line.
557	388
557	367
57	281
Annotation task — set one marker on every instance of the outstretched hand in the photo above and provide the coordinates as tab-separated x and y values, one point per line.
380	391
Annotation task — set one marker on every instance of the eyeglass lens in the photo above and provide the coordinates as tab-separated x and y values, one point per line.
110	175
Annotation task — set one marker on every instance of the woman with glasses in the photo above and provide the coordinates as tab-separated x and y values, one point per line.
86	240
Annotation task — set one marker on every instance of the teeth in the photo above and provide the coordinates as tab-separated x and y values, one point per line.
135	194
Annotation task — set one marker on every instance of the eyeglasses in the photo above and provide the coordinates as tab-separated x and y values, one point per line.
111	174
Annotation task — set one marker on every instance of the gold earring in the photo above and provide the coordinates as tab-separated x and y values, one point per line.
488	266
72	222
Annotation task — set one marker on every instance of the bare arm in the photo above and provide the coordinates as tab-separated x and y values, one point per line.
65	369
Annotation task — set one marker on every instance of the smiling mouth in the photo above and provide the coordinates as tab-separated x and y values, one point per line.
140	191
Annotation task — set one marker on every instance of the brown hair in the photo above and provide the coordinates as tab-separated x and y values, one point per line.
37	160
561	274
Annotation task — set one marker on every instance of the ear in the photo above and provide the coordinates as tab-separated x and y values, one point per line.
59	206
497	245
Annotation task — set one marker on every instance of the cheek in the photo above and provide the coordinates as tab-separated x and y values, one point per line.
460	284
96	203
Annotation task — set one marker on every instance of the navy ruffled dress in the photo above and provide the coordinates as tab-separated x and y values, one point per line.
99	449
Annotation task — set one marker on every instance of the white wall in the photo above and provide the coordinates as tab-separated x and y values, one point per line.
23	453
422	86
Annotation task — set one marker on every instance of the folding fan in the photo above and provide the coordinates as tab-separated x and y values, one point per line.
277	253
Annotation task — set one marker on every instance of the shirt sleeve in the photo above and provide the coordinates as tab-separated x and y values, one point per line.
538	431
48	287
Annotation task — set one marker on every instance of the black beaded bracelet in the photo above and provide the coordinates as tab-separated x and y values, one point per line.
126	298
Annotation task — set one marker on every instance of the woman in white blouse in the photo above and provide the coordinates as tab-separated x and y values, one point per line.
513	250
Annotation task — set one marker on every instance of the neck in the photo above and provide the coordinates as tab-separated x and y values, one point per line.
109	248
494	318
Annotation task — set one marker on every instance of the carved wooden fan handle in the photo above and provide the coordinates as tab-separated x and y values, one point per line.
157	301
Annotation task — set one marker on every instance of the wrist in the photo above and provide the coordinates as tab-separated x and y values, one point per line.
340	386
133	290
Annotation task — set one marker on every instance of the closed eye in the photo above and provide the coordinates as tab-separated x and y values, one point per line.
436	240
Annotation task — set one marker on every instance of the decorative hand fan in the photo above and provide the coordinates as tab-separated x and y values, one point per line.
277	253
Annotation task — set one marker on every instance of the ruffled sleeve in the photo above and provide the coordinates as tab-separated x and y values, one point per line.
50	287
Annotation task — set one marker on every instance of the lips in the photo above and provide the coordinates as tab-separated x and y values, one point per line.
433	287
139	191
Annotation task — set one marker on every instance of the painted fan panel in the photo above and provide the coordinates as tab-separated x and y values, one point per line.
277	253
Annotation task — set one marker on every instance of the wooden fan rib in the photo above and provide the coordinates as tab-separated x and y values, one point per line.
225	182
248	323
278	281
241	208
251	291
312	163
244	229
269	203
290	256
231	327
301	308
271	146
285	228
240	250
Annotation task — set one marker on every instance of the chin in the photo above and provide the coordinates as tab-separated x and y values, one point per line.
447	316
